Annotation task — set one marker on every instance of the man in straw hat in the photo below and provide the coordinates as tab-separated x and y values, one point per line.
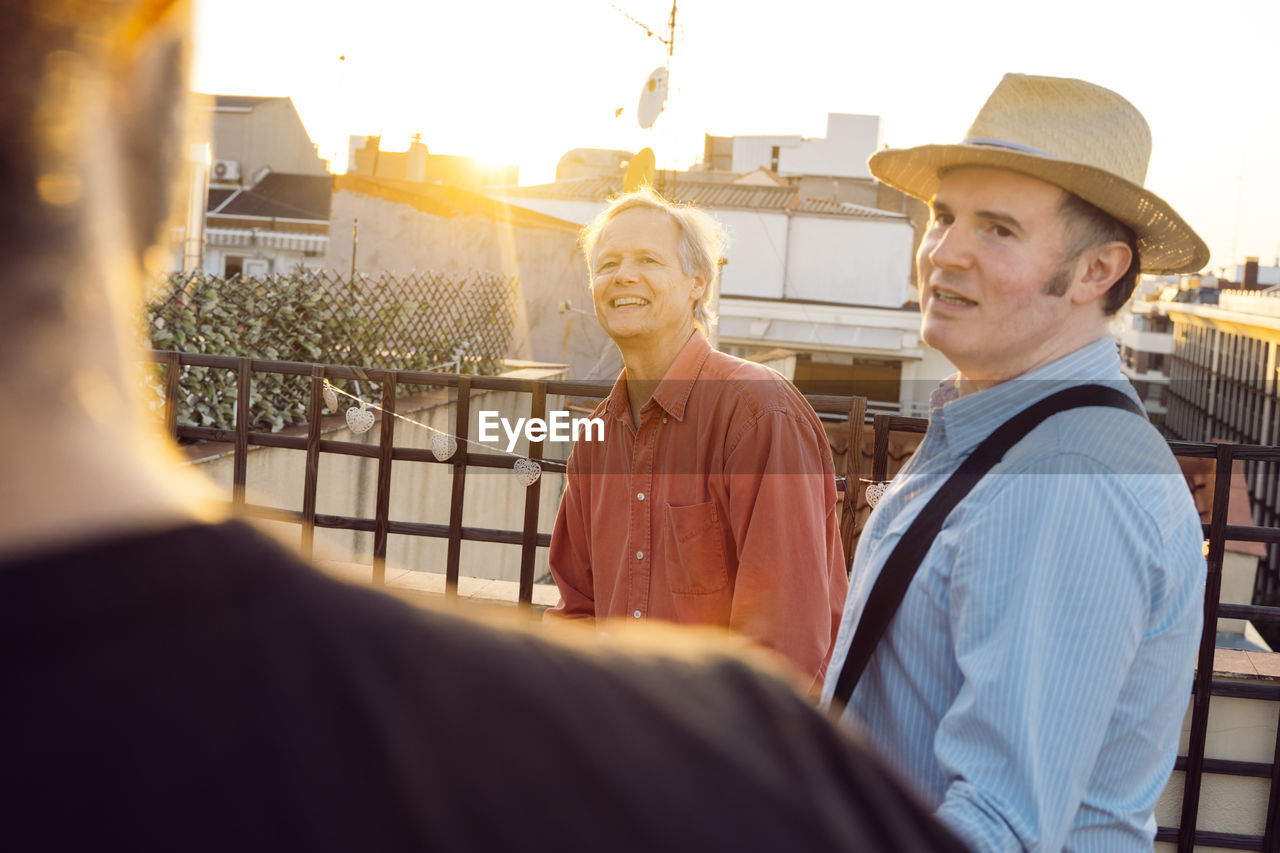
174	682
1019	644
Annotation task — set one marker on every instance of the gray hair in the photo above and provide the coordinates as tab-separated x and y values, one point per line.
702	240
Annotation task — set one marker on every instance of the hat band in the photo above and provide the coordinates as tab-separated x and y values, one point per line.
1001	143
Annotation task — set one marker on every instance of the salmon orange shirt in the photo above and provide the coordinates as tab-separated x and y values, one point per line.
719	508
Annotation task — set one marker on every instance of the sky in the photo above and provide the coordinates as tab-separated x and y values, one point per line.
524	81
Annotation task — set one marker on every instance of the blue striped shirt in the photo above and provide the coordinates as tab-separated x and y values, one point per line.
1033	684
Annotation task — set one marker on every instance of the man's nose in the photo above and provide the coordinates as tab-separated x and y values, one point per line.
947	247
626	271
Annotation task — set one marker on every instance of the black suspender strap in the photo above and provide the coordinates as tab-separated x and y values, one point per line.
891	585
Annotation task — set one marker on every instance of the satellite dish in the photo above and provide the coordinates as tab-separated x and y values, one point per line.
641	171
652	97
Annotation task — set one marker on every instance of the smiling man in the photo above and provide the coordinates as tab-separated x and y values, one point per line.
1018	638
711	500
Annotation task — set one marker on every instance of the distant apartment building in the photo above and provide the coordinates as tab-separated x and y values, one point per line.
1225	385
252	136
1144	334
278	225
267	190
1146	347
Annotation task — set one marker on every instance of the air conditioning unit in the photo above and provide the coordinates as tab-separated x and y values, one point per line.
226	170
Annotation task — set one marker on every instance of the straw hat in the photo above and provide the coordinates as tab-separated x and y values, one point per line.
1081	137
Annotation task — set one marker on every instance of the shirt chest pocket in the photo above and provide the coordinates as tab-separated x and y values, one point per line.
694	549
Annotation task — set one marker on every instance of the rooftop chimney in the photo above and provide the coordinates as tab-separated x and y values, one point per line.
1250	274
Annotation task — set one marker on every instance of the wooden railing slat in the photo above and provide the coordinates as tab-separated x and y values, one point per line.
311	476
382	505
244	373
532	496
461	432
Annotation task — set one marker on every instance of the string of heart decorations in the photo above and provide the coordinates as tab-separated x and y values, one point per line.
443	445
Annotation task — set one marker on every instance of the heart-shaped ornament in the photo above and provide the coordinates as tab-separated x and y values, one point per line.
527	471
443	446
330	398
875	492
359	420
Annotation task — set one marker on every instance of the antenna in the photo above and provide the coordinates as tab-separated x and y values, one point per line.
653	99
670	40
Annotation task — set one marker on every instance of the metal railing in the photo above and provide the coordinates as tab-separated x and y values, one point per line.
1217	531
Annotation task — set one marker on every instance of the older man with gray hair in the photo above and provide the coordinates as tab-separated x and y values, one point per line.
711	499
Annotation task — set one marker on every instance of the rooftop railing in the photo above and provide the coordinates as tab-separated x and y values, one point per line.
1194	765
1265	302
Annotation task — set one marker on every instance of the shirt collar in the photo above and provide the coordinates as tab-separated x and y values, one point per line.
672	394
965	421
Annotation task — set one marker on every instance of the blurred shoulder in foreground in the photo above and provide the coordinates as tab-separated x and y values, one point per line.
201	688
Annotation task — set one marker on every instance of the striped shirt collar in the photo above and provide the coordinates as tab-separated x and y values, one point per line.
962	422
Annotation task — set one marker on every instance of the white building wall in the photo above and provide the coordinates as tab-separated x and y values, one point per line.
850	140
757	247
843	152
580	212
752	152
1160	343
852	261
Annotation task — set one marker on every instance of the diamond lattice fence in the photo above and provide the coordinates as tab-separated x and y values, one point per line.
419	321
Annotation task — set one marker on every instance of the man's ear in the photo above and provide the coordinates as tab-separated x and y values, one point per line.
1103	266
699	288
150	95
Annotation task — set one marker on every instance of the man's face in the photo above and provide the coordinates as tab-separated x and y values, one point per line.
989	268
643	298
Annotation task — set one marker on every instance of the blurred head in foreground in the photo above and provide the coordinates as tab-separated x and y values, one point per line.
175	684
91	125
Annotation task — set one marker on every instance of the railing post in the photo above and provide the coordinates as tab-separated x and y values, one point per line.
1271	833
1204	661
382	509
244	373
880	450
312	474
532	495
172	375
852	474
461	428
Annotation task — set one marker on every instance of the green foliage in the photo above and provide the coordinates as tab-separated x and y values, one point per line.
413	322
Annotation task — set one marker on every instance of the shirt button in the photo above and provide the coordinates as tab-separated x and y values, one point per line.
639	555
637	614
664	420
639	496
